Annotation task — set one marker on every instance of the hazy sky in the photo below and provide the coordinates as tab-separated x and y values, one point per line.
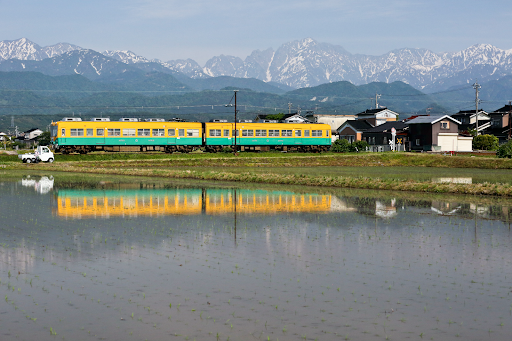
201	29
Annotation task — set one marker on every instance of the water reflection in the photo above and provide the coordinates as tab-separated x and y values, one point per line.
132	200
79	204
458	180
41	185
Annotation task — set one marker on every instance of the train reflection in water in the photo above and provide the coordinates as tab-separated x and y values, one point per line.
79	204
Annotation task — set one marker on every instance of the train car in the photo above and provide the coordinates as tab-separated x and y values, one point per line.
127	135
304	137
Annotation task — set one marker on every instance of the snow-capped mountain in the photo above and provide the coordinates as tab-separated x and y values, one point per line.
307	63
298	64
24	49
127	57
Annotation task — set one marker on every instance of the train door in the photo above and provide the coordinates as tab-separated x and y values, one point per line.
226	136
171	136
62	136
100	136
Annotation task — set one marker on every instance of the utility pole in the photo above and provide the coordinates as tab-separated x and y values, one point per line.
477	87
509	119
289	108
236	131
377	96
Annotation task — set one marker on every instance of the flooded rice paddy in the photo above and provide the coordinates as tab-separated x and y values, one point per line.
153	261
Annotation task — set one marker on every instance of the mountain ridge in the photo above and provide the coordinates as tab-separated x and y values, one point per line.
297	64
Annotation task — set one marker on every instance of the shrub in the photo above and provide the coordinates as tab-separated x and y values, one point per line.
505	150
340	146
343	146
485	142
227	150
359	146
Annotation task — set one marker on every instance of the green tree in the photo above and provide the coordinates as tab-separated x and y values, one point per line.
505	150
44	138
277	117
485	142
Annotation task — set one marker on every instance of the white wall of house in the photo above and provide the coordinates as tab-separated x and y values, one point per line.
334	121
453	142
465	144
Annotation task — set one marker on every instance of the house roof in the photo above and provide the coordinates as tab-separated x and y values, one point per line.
373	112
431	119
506	109
359	125
470	113
398	125
31	130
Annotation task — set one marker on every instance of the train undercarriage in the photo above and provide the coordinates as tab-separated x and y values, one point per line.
188	149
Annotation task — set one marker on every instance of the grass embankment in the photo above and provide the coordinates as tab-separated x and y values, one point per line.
166	166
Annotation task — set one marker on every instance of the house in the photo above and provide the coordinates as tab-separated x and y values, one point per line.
32	133
3	137
378	137
467	118
353	130
284	118
335	121
377	116
437	133
501	123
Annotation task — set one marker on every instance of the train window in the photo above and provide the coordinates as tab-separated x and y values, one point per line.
215	132
316	133
100	132
158	132
226	132
237	133
171	132
128	132
63	132
90	132
76	132
306	133
181	132
286	133
247	133
114	132
261	132
298	133
193	132
143	132
274	133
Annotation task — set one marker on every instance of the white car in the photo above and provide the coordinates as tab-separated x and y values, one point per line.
42	153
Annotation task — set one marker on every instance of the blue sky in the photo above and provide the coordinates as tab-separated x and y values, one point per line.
201	29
